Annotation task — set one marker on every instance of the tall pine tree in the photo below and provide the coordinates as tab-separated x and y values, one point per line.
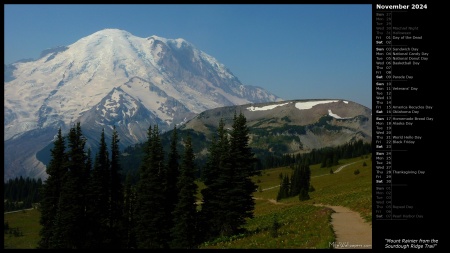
116	201
129	214
284	188
305	177
228	196
51	191
242	162
70	223
151	219
213	209
296	182
172	175
299	183
185	214
98	199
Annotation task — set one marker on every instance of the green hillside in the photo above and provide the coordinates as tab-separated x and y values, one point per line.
285	224
302	224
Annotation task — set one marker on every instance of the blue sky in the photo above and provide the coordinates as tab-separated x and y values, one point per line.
298	51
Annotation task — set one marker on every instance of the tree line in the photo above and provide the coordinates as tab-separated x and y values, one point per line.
20	193
327	157
298	184
88	204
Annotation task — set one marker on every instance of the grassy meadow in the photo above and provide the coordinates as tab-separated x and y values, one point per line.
286	224
303	225
27	222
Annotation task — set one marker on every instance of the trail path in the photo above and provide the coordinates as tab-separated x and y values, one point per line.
336	171
351	231
19	210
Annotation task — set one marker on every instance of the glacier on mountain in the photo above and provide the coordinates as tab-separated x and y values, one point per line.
167	81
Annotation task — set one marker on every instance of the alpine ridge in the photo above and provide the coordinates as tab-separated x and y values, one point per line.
293	126
108	78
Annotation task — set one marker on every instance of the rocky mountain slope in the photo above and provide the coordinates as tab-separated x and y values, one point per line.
275	129
295	126
111	78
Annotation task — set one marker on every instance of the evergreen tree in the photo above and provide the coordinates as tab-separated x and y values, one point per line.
335	159
51	190
185	213
224	184
242	161
295	183
304	195
209	200
172	175
284	188
217	182
88	167
98	199
305	177
324	163
70	221
275	226
151	220
228	196
128	214
29	189
116	222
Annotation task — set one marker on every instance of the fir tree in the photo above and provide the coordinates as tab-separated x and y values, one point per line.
217	181
210	202
242	161
70	224
129	214
88	165
304	195
185	213
172	175
284	188
98	199
224	185
305	177
116	222
295	185
51	190
151	220
228	196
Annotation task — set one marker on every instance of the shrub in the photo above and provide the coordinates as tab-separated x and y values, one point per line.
275	226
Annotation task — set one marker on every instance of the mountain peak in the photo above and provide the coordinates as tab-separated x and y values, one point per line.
161	81
112	32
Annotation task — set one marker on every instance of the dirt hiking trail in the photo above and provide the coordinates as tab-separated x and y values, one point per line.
351	231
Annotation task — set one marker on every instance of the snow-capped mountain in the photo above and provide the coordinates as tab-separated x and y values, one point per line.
111	78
